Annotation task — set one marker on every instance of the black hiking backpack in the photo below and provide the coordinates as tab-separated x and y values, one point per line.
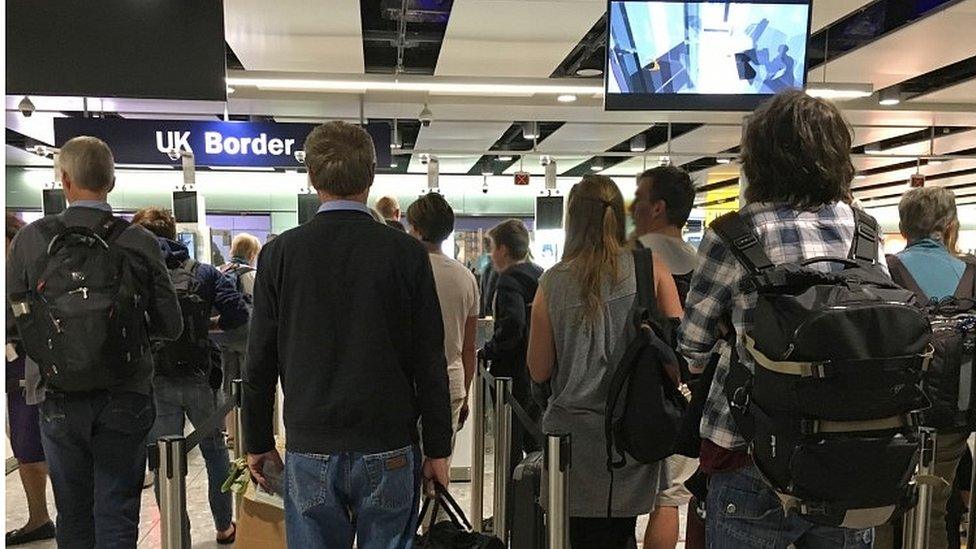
646	382
191	353
948	383
84	321
838	361
234	271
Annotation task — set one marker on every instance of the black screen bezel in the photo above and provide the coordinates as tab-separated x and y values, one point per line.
691	101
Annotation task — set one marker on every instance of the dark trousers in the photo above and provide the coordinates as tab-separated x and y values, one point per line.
96	452
602	533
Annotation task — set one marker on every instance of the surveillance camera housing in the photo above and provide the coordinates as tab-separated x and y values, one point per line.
425	116
300	157
174	154
424	159
26	107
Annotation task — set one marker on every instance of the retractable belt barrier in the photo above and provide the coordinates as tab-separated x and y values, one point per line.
167	458
557	459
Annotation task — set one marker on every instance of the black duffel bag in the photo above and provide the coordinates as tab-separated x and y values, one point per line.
455	533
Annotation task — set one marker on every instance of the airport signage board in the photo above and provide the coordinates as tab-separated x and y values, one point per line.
217	143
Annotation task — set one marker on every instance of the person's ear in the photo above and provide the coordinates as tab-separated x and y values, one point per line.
111	186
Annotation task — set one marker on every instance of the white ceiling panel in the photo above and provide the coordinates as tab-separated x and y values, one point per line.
475	137
826	12
20	157
296	35
513	37
532	163
905	174
931	43
448	164
944	182
39	126
589	137
707	139
963	92
941	145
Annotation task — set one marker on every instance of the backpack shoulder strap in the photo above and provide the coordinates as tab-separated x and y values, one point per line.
864	246
742	241
967	284
902	277
644	270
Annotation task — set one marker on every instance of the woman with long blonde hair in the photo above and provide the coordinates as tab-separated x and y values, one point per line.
580	328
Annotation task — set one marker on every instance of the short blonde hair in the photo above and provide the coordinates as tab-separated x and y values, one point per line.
388	206
927	212
245	245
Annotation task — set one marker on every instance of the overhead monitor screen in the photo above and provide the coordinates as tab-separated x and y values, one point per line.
703	55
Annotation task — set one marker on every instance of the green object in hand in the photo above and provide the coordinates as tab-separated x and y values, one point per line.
238	477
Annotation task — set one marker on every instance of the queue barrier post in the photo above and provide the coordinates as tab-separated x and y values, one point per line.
558	462
971	521
503	458
237	394
478	452
171	476
915	534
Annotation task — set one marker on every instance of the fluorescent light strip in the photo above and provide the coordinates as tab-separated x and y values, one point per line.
430	87
839	91
242	169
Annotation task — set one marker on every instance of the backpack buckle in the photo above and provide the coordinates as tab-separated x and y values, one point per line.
818	508
746	241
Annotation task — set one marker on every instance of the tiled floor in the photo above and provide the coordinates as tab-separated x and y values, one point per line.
200	520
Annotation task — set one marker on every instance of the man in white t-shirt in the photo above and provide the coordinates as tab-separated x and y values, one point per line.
662	204
431	221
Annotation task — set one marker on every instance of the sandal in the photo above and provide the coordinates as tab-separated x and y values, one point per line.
42	532
229	540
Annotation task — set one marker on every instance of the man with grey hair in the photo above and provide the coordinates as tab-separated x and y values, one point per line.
346	315
94	439
931	267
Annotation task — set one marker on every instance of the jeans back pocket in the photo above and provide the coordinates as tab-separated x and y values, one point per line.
392	478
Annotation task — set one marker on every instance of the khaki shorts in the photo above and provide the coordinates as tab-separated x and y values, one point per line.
680	469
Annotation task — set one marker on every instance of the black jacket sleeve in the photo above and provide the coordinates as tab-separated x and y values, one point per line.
261	371
165	317
510	322
228	301
429	362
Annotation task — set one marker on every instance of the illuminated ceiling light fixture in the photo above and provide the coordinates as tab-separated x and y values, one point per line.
723	160
486	169
566	98
839	91
872	148
597	165
230	90
638	143
860	176
504	158
357	84
530	130
889	96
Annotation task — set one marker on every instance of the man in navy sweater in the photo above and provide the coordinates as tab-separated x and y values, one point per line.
346	315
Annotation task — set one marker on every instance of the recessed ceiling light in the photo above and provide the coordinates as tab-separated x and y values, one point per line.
566	98
230	90
587	73
860	176
839	91
724	160
889	97
638	143
393	164
530	130
504	158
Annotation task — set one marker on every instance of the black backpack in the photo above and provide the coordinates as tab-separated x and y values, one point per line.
84	321
838	361
948	383
191	353
646	379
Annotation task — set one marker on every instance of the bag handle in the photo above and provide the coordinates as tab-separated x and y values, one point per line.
451	508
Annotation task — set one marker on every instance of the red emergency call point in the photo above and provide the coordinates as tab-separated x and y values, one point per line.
917	180
521	178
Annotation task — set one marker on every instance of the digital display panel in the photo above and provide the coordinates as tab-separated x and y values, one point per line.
703	55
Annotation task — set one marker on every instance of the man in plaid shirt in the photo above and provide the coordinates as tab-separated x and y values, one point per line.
796	157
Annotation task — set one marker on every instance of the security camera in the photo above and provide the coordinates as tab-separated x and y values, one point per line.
173	154
545	160
425	159
484	189
425	116
300	157
26	106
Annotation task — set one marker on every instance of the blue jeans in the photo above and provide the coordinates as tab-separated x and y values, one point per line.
96	455
179	398
332	499
743	511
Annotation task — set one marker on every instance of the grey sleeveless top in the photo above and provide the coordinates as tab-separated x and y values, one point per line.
587	354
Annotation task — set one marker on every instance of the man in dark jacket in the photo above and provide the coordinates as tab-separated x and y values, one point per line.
346	314
185	387
518	279
95	441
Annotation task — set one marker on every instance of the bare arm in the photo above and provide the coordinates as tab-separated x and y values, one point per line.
542	344
668	301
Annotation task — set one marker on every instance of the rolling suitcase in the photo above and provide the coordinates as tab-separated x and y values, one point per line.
528	529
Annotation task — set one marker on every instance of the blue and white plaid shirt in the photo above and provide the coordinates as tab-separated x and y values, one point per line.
788	236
